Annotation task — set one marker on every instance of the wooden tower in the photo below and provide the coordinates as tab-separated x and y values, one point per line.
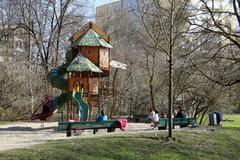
89	71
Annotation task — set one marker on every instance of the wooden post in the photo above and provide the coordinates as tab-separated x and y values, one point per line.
113	93
67	96
99	92
109	57
90	109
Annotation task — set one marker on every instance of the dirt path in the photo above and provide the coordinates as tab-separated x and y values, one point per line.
26	134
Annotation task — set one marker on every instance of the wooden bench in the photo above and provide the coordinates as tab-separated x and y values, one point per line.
182	122
69	126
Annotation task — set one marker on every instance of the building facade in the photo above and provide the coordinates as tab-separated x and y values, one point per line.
14	44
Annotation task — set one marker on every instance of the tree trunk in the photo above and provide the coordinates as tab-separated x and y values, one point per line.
238	110
152	95
170	96
203	114
170	89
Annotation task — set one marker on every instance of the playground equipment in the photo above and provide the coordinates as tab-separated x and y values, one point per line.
83	78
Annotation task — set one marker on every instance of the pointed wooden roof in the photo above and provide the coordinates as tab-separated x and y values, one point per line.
85	28
91	38
82	64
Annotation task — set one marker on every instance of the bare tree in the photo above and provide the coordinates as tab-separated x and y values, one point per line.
165	23
222	20
46	22
15	97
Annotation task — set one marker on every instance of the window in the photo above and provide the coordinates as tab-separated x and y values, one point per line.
94	81
20	45
11	44
89	53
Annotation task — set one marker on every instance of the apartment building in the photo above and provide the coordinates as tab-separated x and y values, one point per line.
14	44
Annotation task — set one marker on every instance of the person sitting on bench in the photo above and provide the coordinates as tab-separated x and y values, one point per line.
180	113
155	119
151	115
102	117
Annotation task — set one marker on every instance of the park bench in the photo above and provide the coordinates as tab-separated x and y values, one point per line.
69	126
182	122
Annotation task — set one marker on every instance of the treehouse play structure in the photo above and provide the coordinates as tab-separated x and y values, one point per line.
83	79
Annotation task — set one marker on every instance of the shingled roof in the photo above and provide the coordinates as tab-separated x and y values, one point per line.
91	38
82	64
85	28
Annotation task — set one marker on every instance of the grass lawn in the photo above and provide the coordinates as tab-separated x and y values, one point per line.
229	122
232	120
221	144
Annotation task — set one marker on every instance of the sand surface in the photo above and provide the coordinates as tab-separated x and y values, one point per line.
27	134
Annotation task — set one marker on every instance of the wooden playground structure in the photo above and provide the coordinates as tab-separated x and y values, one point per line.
93	44
84	81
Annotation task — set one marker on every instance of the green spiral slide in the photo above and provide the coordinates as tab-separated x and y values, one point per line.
56	79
